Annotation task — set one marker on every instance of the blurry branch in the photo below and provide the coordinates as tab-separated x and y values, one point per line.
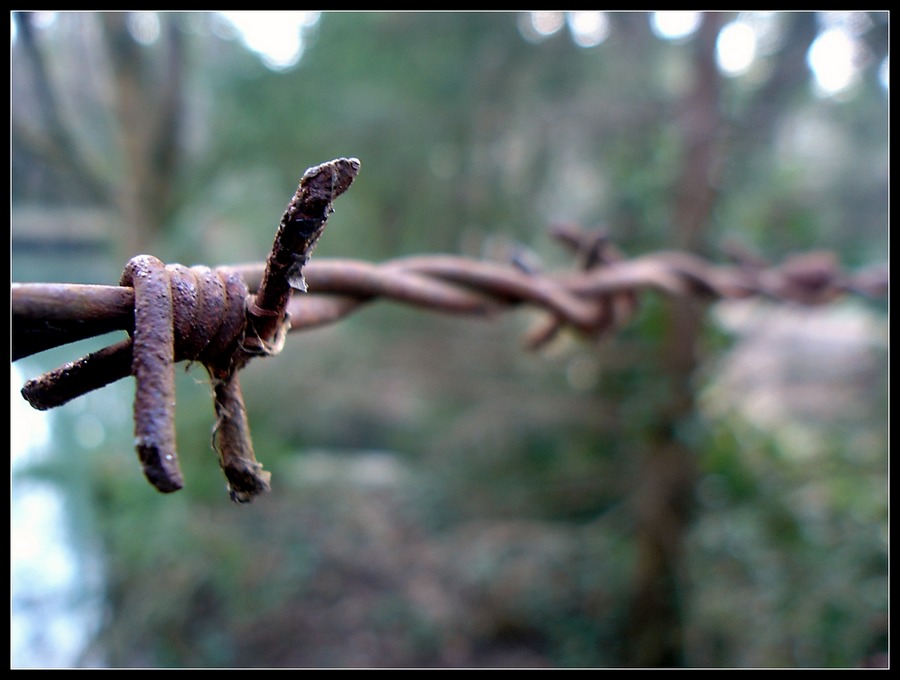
54	142
148	110
667	467
147	97
789	74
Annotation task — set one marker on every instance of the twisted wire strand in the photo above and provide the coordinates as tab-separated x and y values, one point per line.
50	315
452	284
207	311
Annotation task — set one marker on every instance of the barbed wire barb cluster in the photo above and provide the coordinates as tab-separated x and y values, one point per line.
175	313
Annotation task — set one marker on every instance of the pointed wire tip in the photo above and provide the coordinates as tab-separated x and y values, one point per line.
333	177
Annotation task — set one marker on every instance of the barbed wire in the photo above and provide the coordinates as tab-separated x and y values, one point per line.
175	313
594	300
225	316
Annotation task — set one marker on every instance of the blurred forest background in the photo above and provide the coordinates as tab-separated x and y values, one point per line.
707	488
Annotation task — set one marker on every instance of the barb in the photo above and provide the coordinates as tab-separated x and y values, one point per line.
301	226
153	365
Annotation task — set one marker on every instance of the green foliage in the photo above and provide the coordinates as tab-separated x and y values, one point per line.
770	524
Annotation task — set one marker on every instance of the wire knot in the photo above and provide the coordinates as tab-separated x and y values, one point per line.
205	308
193	314
204	315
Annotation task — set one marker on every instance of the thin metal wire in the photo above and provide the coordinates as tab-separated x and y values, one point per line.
48	315
595	299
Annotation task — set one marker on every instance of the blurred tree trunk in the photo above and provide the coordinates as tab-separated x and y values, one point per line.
45	132
663	501
148	109
146	92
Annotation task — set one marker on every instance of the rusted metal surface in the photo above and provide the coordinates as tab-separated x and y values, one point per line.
232	442
299	231
176	313
90	372
338	287
153	366
47	315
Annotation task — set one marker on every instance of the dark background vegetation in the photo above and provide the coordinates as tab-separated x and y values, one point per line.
706	488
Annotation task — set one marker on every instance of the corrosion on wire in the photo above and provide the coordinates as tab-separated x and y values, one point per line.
175	313
50	315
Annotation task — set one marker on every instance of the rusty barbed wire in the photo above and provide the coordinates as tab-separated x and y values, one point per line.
597	297
50	315
175	313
